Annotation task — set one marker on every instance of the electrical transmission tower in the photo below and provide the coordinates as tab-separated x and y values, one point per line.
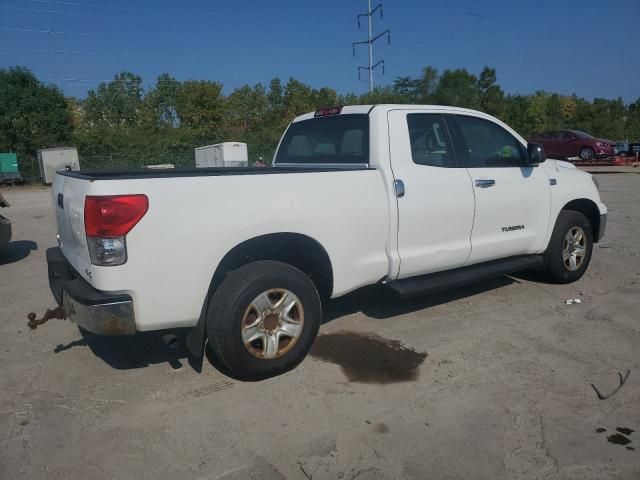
370	41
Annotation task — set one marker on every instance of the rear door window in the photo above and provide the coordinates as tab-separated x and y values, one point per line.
430	144
339	139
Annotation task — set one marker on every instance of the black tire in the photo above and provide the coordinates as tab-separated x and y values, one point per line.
555	268
587	153
228	307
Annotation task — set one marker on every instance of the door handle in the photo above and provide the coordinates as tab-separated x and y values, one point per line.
485	182
398	185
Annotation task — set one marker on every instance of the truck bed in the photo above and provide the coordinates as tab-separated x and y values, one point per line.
142	173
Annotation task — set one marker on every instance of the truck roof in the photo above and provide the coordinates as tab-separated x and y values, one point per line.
360	109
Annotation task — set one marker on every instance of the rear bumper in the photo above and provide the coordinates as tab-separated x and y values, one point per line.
95	311
5	231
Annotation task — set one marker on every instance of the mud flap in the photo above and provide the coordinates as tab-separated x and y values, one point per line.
195	341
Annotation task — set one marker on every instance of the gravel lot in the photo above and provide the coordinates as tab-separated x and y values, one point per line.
491	381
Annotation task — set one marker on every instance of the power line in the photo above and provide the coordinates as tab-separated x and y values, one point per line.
370	41
470	14
74	52
533	62
56	32
95	5
58	12
98	81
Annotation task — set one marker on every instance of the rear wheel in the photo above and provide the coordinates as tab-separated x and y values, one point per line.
263	319
587	153
569	251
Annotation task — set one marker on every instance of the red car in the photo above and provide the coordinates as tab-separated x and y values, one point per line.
574	143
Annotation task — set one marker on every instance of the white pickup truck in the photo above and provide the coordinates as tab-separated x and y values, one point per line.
420	198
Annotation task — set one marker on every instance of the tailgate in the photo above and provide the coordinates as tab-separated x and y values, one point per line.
68	201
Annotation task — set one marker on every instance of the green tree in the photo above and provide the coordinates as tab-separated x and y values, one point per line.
632	123
582	118
515	114
245	107
537	113
428	85
116	103
275	97
458	88
608	118
121	125
407	88
298	98
417	90
491	95
200	108
555	117
160	103
325	97
32	115
386	94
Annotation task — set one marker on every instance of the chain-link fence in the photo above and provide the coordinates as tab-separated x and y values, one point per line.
125	161
30	169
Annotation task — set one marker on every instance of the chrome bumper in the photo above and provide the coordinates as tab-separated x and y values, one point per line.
95	311
113	318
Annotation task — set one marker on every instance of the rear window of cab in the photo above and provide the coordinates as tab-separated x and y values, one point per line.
336	139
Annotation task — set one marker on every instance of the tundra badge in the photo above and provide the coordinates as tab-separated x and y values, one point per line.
513	228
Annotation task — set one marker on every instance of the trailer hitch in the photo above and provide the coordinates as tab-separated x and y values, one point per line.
57	312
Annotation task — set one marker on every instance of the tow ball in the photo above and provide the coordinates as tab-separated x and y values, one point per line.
57	313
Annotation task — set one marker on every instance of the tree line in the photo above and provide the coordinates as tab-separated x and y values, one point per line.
123	124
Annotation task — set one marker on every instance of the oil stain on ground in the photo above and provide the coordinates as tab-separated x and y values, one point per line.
368	358
620	438
382	428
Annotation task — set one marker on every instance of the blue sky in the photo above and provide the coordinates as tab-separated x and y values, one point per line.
585	47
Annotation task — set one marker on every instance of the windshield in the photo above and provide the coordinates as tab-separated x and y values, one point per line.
339	139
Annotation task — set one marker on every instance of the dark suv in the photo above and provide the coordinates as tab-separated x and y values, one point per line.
574	143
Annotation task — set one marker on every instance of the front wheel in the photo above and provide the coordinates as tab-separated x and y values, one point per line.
569	252
263	320
587	153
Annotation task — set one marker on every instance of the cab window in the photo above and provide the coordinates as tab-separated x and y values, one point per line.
430	144
483	143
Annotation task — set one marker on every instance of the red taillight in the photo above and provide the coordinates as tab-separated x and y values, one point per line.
113	215
325	112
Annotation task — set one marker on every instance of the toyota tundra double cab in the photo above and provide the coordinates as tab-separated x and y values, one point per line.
418	198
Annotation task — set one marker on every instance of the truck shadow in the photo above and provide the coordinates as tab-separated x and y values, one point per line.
168	346
135	351
16	251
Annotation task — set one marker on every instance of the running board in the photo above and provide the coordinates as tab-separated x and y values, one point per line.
435	282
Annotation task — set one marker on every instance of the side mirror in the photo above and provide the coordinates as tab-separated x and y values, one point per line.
535	153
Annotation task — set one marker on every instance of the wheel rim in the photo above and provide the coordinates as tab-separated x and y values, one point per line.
586	153
272	323
574	248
